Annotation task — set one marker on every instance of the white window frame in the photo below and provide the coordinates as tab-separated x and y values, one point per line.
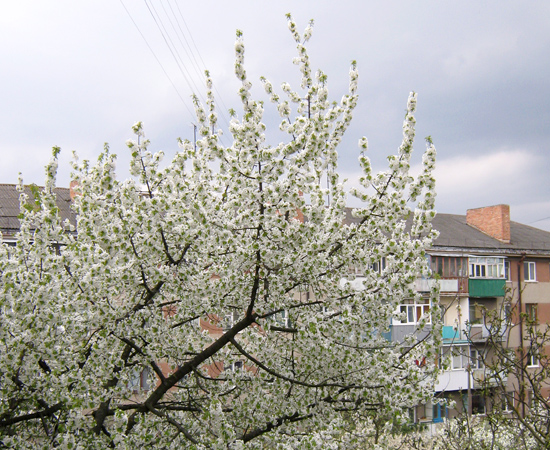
507	312
529	271
376	267
379	266
476	359
234	366
460	354
532	360
411	311
486	267
139	379
459	358
230	319
531	310
507	402
483	400
285	319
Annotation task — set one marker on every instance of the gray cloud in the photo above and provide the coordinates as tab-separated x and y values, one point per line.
79	74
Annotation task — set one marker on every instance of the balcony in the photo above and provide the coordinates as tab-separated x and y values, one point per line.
483	380
387	335
452	380
452	335
479	332
483	287
445	285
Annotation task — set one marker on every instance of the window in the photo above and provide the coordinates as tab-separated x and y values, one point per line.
379	266
532	360
458	362
478	404
449	266
425	412
413	312
234	367
507	402
281	319
476	359
486	267
412	415
507	272
507	314
531	312
229	320
462	356
139	379
459	357
437	412
529	273
284	319
476	313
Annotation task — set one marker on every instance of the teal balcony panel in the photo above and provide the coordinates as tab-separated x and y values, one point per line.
450	333
479	287
387	335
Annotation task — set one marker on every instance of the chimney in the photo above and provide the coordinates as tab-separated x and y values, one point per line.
72	187
491	220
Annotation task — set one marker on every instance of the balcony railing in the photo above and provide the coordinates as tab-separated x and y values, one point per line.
476	333
479	332
445	285
480	288
451	334
454	285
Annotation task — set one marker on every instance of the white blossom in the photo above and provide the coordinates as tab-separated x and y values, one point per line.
206	303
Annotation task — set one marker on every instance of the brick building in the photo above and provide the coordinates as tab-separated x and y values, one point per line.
487	266
482	261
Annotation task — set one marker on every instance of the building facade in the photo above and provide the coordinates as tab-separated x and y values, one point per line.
494	277
494	281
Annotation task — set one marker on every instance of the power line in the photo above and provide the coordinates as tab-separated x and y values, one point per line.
173	49
174	52
189	53
539	220
160	64
172	17
166	39
218	95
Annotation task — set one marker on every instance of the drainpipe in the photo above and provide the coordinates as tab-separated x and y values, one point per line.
469	370
521	349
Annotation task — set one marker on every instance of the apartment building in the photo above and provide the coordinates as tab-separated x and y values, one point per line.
487	267
482	261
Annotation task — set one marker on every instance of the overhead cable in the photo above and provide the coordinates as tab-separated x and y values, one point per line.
157	59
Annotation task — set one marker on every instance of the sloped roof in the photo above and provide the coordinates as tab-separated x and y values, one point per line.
456	235
9	206
454	232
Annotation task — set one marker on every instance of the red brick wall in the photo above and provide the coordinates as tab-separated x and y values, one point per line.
492	220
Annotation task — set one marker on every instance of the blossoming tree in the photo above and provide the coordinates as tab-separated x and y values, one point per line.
242	240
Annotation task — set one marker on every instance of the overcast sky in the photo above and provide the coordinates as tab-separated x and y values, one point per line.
77	74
